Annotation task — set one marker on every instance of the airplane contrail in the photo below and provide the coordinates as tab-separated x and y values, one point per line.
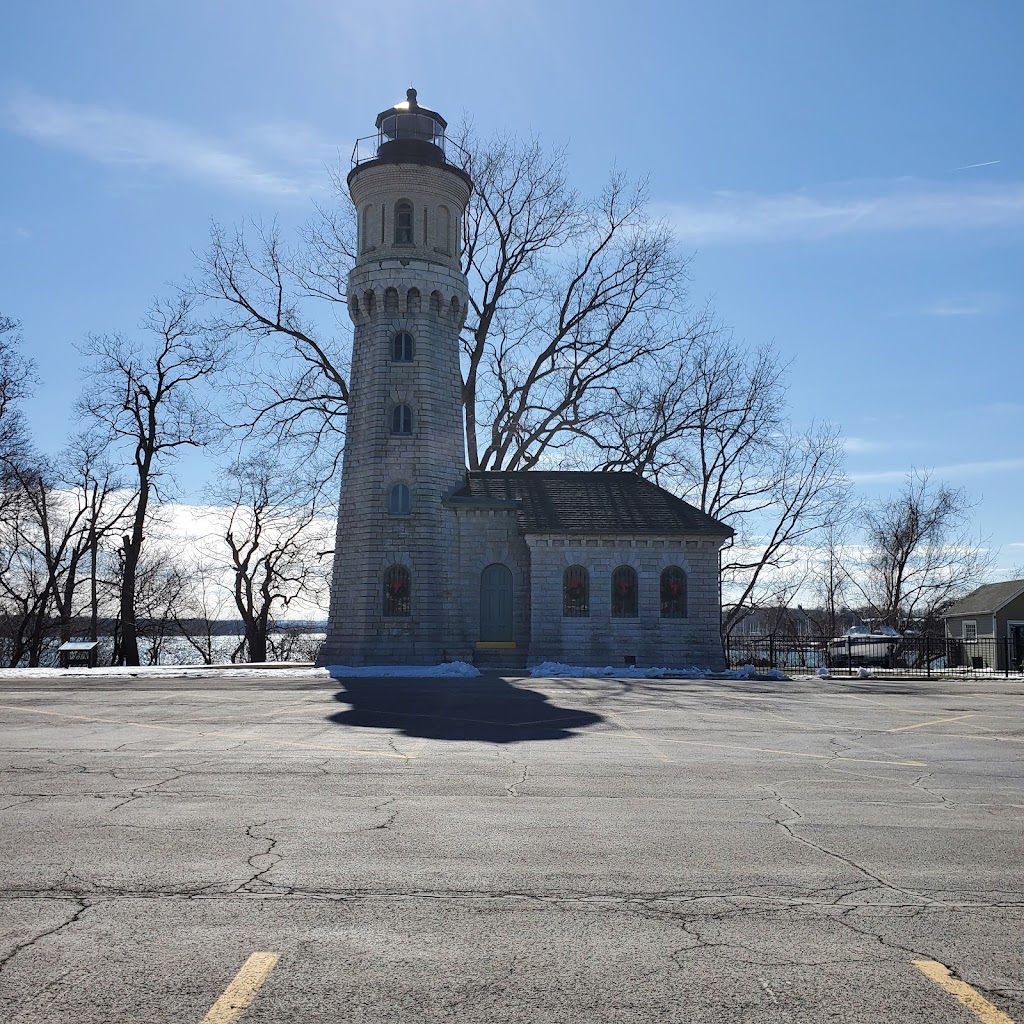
968	167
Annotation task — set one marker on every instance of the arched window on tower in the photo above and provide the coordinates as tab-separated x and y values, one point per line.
444	229
366	236
576	592
399	500
397	591
401	420
401	347
673	593
403	223
624	593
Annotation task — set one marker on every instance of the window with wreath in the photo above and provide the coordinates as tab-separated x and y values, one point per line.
401	420
576	592
673	593
399	500
624	593
401	347
397	587
403	223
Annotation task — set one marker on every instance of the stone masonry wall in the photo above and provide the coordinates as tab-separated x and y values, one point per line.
600	639
430	461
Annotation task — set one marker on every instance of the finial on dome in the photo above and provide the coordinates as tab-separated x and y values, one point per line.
410	95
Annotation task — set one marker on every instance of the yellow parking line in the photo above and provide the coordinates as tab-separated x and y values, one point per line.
242	991
209	732
635	735
933	721
962	992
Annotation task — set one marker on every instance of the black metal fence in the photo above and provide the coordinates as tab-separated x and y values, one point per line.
921	656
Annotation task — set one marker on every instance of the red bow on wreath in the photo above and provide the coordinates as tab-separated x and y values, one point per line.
397	587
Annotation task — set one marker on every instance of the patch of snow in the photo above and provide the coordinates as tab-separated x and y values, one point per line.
749	672
556	669
165	672
823	673
447	670
454	669
865	673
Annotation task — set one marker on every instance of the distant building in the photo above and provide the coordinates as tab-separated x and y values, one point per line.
989	622
435	563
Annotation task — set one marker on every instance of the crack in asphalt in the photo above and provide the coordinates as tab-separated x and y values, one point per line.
81	907
787	826
268	855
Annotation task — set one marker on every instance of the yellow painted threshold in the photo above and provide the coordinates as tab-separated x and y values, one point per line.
492	645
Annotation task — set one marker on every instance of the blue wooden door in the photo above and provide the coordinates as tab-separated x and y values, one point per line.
496	603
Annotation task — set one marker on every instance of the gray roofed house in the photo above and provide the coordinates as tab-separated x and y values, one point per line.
989	622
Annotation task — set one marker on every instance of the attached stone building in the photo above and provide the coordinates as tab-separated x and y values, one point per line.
435	563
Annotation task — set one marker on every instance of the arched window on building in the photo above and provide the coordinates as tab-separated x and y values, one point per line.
673	593
365	233
624	593
576	592
401	347
399	500
403	223
401	420
444	229
397	590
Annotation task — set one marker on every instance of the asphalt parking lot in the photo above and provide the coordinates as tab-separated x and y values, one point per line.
511	850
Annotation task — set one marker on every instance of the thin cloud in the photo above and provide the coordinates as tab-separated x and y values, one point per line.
731	217
862	446
957	470
953	309
130	140
984	163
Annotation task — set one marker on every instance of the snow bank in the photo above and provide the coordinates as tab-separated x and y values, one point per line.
455	669
448	670
165	672
560	669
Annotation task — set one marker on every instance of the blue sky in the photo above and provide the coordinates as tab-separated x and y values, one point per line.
850	176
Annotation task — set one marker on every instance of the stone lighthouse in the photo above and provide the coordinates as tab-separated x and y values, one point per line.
394	592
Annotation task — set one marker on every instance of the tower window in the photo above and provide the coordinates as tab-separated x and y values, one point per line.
624	593
401	420
401	347
576	592
403	223
673	593
400	500
444	229
397	588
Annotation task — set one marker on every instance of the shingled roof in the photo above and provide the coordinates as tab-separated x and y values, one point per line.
988	599
603	503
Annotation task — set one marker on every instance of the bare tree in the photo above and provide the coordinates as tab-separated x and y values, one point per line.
921	554
565	295
711	424
17	379
204	604
277	544
145	401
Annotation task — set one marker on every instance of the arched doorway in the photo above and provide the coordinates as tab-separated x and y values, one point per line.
496	604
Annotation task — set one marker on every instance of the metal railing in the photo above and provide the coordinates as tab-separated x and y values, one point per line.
920	657
365	149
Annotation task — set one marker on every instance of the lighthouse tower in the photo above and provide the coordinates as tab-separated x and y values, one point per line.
393	591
